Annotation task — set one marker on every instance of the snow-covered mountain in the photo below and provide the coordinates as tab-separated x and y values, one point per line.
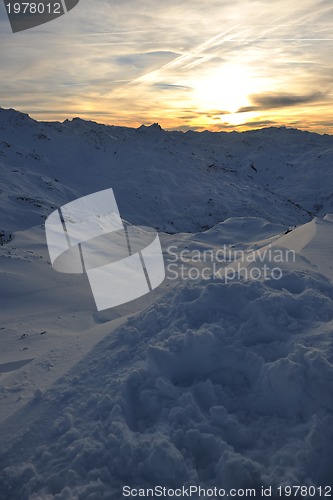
211	380
170	180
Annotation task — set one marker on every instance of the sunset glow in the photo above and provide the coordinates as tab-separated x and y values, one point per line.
220	66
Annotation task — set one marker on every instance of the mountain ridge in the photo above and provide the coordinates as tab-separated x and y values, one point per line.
192	180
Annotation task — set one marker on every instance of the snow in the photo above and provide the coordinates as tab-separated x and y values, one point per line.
169	180
205	381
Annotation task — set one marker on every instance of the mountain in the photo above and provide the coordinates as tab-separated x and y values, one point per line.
221	377
173	181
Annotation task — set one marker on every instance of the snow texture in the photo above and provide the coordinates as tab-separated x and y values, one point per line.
203	382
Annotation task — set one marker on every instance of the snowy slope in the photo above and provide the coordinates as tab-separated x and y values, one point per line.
171	180
216	384
202	382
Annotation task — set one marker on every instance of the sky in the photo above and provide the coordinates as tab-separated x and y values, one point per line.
186	64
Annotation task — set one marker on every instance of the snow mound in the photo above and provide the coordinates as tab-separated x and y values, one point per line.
314	241
219	384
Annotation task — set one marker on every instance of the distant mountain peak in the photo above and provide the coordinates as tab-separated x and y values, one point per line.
153	126
11	113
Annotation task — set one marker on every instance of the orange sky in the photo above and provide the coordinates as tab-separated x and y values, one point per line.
218	65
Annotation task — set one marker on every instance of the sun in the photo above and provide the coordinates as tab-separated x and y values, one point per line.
227	89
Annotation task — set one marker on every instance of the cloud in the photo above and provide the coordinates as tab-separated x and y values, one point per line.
143	61
170	86
273	101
